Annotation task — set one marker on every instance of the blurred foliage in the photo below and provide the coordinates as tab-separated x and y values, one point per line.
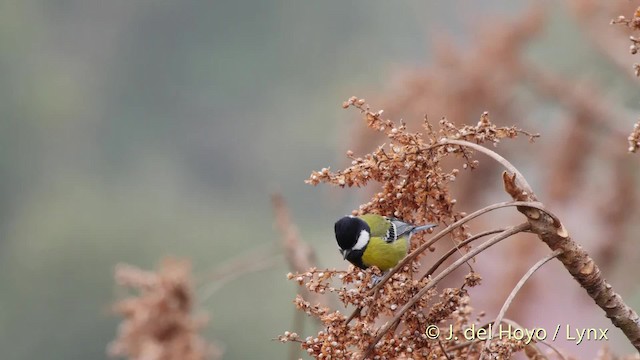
135	130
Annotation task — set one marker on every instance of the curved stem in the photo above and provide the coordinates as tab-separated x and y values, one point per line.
574	258
444	257
497	157
513	294
515	324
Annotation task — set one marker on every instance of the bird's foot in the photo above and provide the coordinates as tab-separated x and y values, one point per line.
375	279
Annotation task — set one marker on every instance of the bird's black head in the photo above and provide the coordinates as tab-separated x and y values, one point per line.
348	231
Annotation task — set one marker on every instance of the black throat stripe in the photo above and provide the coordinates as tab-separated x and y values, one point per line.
355	257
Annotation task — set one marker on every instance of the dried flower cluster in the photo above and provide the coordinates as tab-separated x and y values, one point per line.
460	86
633	24
634	138
414	186
158	323
341	341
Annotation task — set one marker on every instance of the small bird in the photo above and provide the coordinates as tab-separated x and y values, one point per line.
374	240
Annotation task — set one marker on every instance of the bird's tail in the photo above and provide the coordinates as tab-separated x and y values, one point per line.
423	227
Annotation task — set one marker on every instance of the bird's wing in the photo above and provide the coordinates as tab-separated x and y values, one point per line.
397	229
378	225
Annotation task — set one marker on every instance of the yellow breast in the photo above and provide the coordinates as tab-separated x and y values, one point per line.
384	255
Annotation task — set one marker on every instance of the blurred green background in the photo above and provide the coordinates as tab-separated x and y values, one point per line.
132	130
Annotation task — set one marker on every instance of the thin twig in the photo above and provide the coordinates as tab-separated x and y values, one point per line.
497	157
515	324
574	258
353	315
513	294
580	265
444	257
443	350
504	235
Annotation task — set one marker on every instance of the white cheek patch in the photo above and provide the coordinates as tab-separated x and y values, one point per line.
363	240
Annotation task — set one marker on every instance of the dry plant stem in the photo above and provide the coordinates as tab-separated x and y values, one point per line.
453	250
581	266
547	344
504	235
513	294
443	350
574	258
353	315
515	324
522	182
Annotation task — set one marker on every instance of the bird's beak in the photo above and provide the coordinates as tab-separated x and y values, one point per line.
345	253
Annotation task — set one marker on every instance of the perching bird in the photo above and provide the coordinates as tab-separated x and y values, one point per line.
374	240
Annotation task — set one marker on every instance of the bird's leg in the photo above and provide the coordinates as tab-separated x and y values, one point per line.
375	279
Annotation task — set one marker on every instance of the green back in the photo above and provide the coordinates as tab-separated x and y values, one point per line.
378	224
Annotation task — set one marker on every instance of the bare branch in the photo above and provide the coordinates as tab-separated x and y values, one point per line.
513	294
575	259
443	350
522	182
444	257
580	265
515	324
